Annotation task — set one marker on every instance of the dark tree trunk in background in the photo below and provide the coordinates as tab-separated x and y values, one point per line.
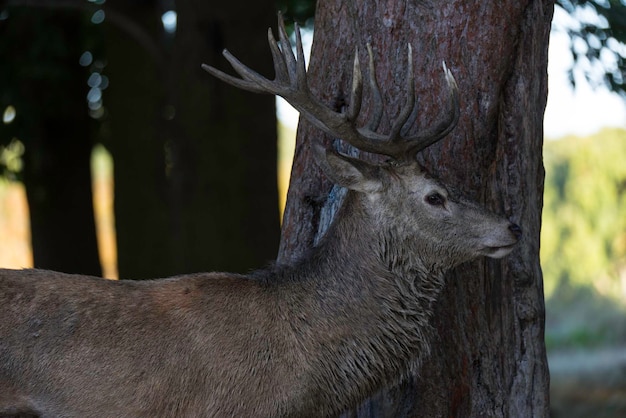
57	177
134	134
49	91
489	356
223	141
195	159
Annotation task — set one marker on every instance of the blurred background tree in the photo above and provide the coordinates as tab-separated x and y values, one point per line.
583	239
195	177
42	81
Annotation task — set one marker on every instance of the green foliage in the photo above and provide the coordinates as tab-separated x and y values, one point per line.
579	316
41	54
598	39
584	216
583	238
11	159
297	10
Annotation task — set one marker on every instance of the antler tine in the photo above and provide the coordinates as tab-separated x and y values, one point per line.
284	67
290	82
251	81
290	59
442	128
377	98
301	65
280	66
395	144
410	99
357	89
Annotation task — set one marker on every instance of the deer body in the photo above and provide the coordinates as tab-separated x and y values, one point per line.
309	339
74	346
312	338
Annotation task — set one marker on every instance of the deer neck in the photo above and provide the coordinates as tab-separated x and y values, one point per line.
363	316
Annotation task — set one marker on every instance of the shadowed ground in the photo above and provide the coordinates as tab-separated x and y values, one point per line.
588	383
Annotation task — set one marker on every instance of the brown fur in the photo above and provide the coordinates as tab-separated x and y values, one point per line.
308	339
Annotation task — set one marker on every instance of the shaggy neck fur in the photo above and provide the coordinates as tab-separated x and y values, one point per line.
360	307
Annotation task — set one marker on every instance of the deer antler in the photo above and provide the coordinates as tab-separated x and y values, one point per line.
290	82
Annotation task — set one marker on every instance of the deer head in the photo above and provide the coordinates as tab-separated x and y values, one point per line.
400	192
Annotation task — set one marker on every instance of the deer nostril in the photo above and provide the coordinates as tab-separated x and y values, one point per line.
516	230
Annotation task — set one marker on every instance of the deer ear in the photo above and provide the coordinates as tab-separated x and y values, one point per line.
348	172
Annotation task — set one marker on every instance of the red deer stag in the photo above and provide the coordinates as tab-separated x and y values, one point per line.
307	339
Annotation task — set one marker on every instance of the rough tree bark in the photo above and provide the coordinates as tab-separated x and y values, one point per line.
489	356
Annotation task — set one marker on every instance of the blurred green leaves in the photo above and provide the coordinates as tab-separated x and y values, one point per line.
598	40
297	10
583	239
11	162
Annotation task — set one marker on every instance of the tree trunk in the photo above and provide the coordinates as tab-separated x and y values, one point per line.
489	357
134	135
57	178
195	160
224	190
49	89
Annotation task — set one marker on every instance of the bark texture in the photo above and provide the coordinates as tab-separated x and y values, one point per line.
489	357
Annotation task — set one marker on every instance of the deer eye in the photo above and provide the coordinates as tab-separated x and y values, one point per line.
435	199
